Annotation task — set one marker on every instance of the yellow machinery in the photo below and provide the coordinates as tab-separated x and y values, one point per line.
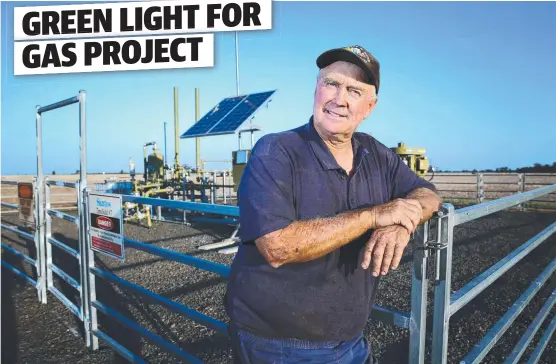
414	158
159	179
153	164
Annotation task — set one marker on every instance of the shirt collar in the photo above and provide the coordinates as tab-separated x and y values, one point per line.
324	155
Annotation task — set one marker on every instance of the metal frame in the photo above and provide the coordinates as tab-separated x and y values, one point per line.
45	215
482	184
447	304
50	241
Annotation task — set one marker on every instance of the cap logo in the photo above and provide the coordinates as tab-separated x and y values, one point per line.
359	53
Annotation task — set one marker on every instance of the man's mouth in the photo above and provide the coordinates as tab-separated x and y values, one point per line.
334	114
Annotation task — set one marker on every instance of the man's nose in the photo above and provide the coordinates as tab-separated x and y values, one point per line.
340	97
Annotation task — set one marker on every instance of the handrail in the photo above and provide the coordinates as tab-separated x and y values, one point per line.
19	232
61	184
20	255
220	269
447	304
485	279
10	205
535	325
184	205
178	308
494	334
470	213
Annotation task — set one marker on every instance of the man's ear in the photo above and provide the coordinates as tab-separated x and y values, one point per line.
371	107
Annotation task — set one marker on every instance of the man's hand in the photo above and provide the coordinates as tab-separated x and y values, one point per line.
405	212
385	249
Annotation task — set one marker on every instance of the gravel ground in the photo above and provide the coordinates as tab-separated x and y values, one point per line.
35	333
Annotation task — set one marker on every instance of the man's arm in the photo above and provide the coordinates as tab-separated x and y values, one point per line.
429	200
386	245
307	240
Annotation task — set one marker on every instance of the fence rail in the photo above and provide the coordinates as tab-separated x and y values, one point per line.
477	188
446	304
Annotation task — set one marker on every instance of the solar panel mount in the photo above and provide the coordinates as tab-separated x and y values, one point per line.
228	115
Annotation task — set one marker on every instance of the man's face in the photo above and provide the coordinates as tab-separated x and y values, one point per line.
342	101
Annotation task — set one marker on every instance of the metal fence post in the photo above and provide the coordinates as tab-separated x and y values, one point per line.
442	289
419	285
40	242
47	235
520	188
480	189
89	262
86	254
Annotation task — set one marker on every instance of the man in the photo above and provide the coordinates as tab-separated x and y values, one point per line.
324	212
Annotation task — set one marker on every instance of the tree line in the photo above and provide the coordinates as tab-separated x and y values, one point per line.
536	168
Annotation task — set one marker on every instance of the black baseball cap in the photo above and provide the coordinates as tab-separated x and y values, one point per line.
356	55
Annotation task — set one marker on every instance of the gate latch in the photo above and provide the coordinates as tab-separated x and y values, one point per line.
435	244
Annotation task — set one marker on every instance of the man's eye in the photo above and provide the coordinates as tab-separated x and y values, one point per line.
355	92
331	83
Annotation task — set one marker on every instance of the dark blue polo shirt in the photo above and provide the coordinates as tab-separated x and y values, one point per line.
293	176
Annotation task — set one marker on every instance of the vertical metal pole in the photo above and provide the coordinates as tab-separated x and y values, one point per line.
165	155
520	188
224	174
39	229
213	189
442	290
419	284
176	138
237	66
87	255
480	191
197	139
83	294
47	235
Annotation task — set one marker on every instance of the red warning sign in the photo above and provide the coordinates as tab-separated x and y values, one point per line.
106	246
26	203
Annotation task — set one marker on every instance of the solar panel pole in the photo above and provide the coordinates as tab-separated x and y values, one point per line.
197	140
237	66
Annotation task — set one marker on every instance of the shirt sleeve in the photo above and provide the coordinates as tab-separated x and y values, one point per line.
402	179
265	195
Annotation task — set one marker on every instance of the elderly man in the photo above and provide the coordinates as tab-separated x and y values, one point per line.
324	212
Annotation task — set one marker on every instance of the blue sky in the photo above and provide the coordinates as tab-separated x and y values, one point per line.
471	82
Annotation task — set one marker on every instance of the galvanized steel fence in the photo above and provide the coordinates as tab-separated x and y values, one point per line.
433	242
471	188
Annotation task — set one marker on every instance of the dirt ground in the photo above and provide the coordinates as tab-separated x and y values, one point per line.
37	333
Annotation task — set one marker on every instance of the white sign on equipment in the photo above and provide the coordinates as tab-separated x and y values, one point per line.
106	222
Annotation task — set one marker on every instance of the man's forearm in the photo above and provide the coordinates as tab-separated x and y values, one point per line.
303	241
429	200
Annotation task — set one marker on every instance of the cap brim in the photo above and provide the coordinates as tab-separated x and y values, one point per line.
335	55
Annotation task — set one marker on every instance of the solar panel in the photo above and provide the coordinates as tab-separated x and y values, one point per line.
228	115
